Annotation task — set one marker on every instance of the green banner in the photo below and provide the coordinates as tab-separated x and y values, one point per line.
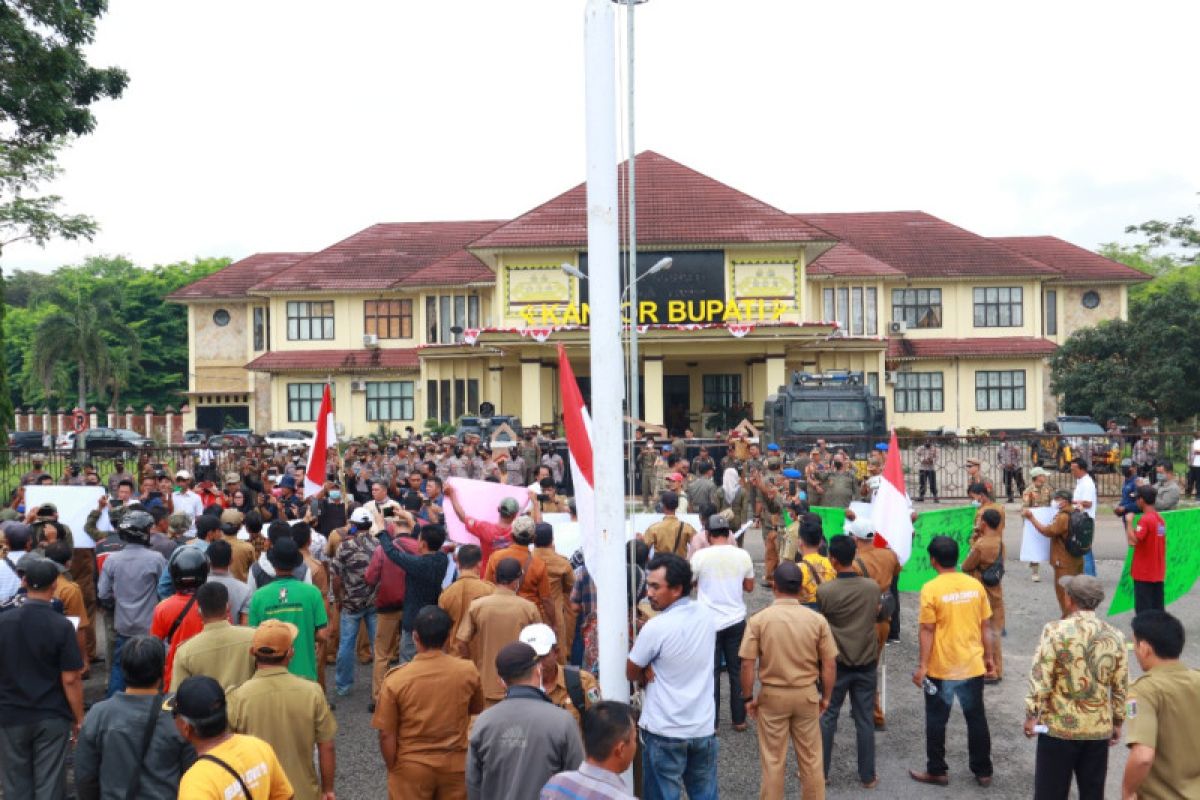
1183	561
953	522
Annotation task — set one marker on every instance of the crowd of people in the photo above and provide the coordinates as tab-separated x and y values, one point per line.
215	614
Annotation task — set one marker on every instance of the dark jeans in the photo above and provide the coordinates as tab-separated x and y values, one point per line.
894	627
729	641
1012	476
671	766
1193	479
1059	759
937	714
860	684
928	477
33	759
116	678
1147	596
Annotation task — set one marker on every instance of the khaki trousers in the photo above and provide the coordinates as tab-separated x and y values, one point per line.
83	570
771	556
1060	592
881	632
411	780
783	713
387	647
997	622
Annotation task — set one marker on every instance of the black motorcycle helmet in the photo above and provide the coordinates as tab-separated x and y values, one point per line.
189	569
135	527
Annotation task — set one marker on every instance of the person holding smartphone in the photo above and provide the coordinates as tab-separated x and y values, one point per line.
380	506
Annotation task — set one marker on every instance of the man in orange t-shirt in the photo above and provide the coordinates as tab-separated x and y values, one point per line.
178	618
535	580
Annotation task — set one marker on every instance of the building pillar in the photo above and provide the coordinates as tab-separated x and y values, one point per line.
549	384
776	371
531	391
652	389
494	393
756	396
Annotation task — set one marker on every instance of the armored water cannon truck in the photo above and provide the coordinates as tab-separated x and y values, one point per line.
836	406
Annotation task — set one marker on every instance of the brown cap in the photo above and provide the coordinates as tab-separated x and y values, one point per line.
515	659
1087	591
231	516
273	638
232	477
972	462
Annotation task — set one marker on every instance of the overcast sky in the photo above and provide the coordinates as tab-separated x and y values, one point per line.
259	125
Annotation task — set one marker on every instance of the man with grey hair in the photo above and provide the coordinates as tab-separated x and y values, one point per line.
1076	699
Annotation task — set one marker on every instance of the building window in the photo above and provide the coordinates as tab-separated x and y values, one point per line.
389	400
917	308
854	308
1091	299
998	307
722	391
873	383
919	391
309	320
440	399
304	401
262	329
1000	390
221	317
443	313
388	319
1051	316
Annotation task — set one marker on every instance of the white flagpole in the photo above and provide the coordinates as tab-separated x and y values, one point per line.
607	362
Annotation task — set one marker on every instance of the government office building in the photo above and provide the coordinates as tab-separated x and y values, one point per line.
413	321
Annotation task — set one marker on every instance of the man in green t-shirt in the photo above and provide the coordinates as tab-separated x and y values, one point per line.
289	600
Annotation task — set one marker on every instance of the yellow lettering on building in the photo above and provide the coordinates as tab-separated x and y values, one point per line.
571	315
732	312
647	312
527	315
584	313
713	309
777	310
676	311
549	317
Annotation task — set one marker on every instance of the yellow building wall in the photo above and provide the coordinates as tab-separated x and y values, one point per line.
958	308
958	381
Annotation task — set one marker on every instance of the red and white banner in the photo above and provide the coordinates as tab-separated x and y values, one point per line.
892	509
326	437
739	330
578	423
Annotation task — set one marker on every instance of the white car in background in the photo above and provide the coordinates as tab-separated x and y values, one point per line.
65	441
289	438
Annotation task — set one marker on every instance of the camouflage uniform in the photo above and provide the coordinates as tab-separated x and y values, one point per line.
648	459
530	457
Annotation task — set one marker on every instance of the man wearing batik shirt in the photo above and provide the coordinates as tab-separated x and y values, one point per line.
355	595
1077	692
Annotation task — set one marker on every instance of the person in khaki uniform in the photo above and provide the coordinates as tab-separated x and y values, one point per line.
769	506
424	710
287	712
790	648
1063	562
562	580
1036	496
569	688
466	589
535	579
981	495
1160	713
648	460
881	565
243	551
492	622
67	592
670	534
221	651
987	548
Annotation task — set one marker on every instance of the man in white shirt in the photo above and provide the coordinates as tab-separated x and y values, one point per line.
673	658
185	501
19	537
1193	476
1085	499
723	572
377	504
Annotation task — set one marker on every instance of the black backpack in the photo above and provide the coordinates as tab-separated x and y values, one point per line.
995	571
1080	530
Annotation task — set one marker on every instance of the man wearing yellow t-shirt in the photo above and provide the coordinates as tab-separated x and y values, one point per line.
956	651
814	567
229	764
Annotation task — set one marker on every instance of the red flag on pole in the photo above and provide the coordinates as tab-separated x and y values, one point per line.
891	509
326	437
578	423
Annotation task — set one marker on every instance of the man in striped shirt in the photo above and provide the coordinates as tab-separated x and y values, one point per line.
610	743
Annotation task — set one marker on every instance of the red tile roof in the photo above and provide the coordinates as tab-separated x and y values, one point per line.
380	257
377	359
922	246
458	268
842	260
675	205
234	280
980	347
1074	263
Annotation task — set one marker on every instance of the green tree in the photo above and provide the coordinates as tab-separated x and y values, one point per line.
1182	234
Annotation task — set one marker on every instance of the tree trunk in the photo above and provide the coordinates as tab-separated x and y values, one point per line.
82	385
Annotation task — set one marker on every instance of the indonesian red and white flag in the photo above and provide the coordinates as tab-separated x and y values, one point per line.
326	437
892	510
578	423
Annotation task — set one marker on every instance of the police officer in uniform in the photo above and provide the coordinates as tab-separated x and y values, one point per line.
647	459
530	455
770	505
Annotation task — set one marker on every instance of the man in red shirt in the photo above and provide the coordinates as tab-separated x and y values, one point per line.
178	618
491	535
1149	543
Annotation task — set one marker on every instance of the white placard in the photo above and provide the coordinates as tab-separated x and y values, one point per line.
861	510
1034	546
568	538
74	504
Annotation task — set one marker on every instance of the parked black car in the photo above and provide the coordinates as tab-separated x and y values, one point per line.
114	440
26	440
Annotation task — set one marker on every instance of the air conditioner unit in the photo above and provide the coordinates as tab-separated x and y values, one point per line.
358	386
897	328
889	378
370	340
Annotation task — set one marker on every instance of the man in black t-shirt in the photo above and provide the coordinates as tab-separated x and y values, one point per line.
41	688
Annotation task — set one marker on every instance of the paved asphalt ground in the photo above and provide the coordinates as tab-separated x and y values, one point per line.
901	746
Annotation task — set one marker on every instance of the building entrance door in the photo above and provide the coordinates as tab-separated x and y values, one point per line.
677	397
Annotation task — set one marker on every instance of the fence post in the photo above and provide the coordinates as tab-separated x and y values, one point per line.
149	434
46	423
129	417
62	421
17	419
170	417
112	416
92	416
32	415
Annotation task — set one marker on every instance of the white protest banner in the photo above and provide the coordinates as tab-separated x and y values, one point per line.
481	500
1034	546
74	503
567	534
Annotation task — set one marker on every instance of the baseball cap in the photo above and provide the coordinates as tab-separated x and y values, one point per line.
284	554
861	528
39	572
46	509
515	659
360	516
287	482
675	476
183	474
179	522
198	697
273	638
508	506
1088	591
232	477
539	636
972	462
231	516
794	474
772	446
1063	493
718	523
1037	472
